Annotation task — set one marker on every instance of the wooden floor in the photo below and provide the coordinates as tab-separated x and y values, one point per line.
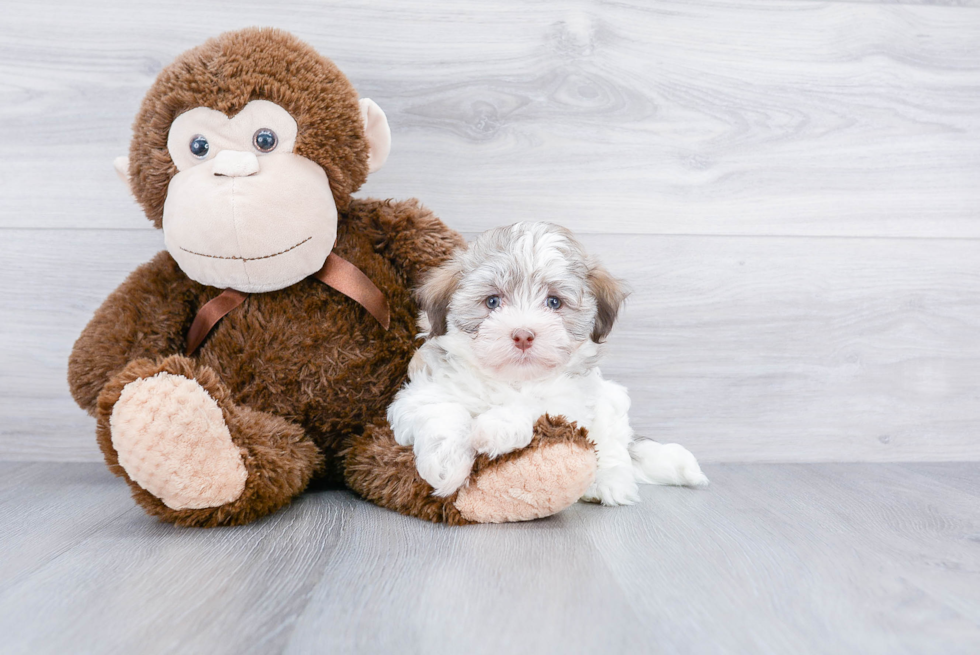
771	558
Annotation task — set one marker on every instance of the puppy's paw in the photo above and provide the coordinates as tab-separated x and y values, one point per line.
671	463
500	430
613	487
446	475
443	457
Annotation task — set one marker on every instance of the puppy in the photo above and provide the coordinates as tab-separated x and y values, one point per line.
515	324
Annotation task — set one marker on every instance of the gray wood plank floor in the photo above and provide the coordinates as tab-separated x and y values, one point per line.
818	558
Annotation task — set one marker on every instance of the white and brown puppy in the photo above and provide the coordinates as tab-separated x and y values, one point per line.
515	325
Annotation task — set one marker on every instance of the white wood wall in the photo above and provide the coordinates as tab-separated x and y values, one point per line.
792	188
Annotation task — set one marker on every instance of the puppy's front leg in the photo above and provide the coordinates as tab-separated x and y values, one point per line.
438	429
443	454
503	429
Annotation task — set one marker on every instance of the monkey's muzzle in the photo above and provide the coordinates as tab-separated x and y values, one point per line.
235	163
250	223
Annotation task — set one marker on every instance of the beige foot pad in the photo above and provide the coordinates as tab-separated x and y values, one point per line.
539	484
172	440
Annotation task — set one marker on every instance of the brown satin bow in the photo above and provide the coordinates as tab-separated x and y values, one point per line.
337	273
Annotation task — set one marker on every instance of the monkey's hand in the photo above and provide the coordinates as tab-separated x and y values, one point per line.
408	234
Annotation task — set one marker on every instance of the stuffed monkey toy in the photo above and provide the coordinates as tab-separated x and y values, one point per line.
259	352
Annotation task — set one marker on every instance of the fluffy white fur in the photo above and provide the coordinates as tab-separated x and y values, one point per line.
477	386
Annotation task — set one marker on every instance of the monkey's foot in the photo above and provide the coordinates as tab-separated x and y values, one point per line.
547	476
190	454
173	441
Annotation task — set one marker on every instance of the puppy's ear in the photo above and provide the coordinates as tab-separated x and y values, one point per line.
435	293
609	295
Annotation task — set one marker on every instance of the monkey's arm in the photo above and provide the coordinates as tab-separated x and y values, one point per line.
408	234
148	315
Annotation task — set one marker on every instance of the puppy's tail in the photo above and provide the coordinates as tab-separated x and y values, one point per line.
671	463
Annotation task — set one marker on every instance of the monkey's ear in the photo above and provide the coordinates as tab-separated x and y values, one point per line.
435	294
121	164
377	132
610	294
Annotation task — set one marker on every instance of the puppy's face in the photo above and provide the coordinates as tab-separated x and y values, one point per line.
526	295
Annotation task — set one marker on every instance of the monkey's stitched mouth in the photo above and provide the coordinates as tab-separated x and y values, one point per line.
247	259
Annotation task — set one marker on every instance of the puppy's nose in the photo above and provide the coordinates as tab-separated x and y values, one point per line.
235	163
523	338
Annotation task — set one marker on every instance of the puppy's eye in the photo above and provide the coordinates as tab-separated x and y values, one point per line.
493	302
199	146
554	302
265	140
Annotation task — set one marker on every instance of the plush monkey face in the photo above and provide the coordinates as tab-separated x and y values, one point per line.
244	211
257	157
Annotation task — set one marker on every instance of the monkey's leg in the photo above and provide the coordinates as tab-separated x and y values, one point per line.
192	456
547	476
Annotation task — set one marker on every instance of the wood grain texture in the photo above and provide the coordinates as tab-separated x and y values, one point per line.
791	188
761	349
743	117
826	558
741	348
49	287
69	504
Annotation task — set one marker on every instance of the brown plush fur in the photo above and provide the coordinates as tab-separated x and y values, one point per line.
303	375
306	355
380	470
226	73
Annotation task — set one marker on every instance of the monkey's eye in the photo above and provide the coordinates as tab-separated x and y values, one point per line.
493	302
265	140
199	146
554	302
